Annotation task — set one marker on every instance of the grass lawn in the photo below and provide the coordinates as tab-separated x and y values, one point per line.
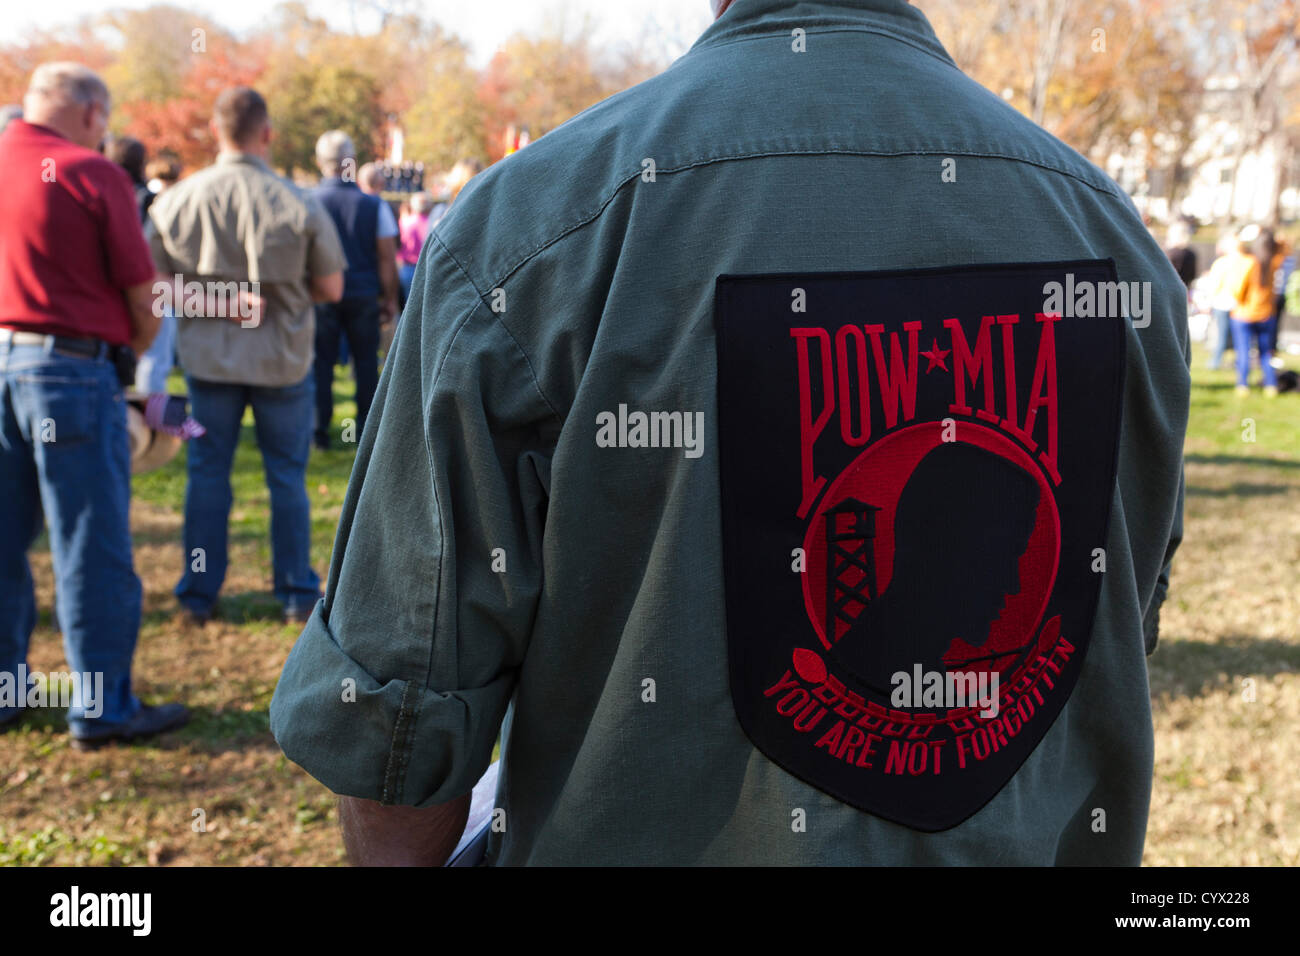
1224	792
1225	680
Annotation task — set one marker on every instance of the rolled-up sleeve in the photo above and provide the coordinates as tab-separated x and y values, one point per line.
396	689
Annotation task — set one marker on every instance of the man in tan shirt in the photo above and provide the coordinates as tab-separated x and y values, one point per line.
249	254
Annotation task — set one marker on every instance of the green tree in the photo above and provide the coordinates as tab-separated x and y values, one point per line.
156	49
449	121
308	99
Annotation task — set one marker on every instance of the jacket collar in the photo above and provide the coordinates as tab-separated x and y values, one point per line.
746	19
247	158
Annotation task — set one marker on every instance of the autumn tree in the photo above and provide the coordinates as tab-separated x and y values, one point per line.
448	122
311	99
155	49
1094	75
179	124
78	41
1255	41
540	81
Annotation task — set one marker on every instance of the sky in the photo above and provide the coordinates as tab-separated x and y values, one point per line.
485	24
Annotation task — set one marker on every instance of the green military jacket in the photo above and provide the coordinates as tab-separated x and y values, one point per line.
513	547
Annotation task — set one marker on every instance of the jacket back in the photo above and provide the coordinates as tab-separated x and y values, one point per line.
496	551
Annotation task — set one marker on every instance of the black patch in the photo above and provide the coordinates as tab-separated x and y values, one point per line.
948	484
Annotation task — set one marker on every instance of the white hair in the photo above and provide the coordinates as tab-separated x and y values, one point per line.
333	148
66	83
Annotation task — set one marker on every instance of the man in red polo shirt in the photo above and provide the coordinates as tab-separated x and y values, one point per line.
76	280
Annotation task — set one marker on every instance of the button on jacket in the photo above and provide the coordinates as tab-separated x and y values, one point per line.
494	560
237	221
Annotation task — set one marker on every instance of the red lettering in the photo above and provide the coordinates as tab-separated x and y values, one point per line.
1009	371
804	723
868	751
831	739
810	428
785	683
799	695
1044	378
1020	708
853	738
1009	716
896	762
846	405
915	767
1063	649
898	382
973	364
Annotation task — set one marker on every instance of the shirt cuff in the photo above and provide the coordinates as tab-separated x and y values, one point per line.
393	740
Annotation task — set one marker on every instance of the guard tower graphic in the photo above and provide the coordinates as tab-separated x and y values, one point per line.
850	537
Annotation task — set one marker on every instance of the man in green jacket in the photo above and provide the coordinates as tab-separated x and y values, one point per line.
807	325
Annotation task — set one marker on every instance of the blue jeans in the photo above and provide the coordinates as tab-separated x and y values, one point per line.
357	321
65	460
1219	335
283	423
1262	332
405	275
154	365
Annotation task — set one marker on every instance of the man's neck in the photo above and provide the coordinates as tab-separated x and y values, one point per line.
48	123
240	152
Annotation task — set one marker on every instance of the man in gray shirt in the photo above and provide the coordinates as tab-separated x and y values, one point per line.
249	254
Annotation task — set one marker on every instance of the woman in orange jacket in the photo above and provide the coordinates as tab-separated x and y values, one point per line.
1252	286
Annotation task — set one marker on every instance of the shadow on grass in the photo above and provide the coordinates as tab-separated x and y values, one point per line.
1197	459
1197	668
1239	489
215	729
1256	388
247	607
226	729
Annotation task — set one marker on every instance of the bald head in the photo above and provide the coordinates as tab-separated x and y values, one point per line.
70	99
371	178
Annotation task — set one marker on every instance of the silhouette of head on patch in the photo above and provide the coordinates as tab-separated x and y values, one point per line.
961	525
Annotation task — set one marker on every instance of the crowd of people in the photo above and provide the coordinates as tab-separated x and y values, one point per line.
1246	288
247	281
492	557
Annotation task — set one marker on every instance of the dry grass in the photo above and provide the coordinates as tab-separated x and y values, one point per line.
1225	790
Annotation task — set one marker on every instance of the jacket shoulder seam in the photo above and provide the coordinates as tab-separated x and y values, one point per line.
481	296
588	218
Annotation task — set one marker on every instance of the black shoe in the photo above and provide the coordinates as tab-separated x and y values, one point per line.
9	723
149	722
298	615
196	618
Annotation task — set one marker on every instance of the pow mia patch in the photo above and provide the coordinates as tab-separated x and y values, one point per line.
916	471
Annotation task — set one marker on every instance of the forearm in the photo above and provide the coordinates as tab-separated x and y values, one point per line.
144	328
146	317
386	250
388	278
378	835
